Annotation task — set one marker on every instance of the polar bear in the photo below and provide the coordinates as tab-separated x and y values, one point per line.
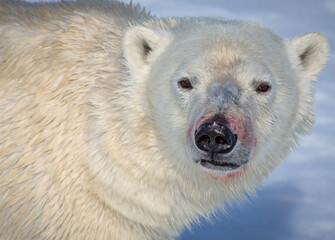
118	125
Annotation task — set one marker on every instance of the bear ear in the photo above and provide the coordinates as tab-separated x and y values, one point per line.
141	45
312	50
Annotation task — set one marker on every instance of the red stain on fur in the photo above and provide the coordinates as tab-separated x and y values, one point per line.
243	127
203	119
189	132
229	176
239	124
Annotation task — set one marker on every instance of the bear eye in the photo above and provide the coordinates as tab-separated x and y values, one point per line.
263	87
185	83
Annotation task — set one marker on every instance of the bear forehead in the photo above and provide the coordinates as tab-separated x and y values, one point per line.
227	45
220	56
213	29
232	37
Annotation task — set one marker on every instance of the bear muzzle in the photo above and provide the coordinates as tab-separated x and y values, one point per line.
217	144
216	141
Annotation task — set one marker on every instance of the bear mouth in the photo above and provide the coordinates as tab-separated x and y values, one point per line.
223	166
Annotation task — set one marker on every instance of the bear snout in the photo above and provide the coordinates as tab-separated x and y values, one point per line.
222	142
214	137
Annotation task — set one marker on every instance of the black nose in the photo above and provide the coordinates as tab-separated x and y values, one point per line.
215	138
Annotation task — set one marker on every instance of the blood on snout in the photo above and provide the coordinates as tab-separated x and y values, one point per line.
189	130
202	119
239	124
243	127
230	176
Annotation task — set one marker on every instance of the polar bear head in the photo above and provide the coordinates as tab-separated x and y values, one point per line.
227	98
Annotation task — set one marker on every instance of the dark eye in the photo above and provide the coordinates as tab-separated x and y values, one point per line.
263	87
185	83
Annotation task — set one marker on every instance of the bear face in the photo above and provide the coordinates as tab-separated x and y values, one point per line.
229	97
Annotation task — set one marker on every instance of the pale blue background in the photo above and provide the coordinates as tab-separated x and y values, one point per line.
297	201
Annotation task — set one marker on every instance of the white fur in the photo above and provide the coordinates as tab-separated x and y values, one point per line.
93	125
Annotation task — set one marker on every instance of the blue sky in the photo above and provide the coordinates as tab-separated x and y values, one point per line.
297	201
